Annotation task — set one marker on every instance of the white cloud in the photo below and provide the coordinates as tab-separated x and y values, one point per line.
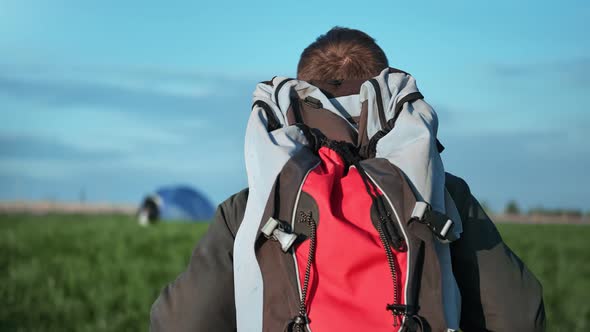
168	81
90	127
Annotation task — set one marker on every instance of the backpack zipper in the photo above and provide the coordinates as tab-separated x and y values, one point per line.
389	238
396	308
297	323
391	264
302	319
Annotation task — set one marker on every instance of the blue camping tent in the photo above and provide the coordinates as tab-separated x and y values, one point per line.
176	203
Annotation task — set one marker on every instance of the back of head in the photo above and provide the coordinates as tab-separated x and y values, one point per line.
341	54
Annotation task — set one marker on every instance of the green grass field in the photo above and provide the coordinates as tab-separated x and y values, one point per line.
102	273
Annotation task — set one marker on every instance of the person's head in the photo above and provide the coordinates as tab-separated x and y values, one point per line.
341	54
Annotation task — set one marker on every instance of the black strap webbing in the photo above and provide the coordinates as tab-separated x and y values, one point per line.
273	122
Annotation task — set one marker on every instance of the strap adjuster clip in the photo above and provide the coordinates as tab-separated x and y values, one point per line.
280	231
440	224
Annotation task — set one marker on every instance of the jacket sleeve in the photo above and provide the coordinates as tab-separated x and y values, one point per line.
498	291
202	297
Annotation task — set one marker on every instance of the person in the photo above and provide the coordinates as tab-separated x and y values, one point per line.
498	292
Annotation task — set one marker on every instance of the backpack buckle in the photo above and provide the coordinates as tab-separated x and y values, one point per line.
440	224
280	231
419	210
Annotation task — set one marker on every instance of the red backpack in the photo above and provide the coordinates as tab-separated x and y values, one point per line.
342	237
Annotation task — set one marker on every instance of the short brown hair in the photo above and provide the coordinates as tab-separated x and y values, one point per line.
341	54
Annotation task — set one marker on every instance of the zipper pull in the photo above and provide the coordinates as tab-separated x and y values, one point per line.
397	310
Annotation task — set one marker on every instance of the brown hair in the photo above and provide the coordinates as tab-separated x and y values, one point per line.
341	54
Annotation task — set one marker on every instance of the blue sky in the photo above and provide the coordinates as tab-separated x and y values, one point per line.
115	98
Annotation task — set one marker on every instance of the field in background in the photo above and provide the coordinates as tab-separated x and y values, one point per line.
102	273
86	273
